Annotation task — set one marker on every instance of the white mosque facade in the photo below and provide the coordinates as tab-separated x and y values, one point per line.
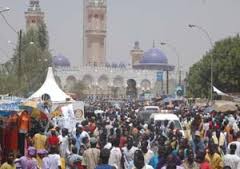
113	80
149	74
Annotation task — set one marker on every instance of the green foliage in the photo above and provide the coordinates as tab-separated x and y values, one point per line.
78	88
226	67
7	83
35	59
43	36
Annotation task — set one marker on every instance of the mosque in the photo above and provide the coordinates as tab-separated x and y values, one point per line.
148	75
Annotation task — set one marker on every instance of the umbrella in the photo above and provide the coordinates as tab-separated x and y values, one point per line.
30	103
208	110
98	111
32	106
57	112
225	106
37	114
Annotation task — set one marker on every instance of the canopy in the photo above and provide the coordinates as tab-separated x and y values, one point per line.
225	106
51	88
219	92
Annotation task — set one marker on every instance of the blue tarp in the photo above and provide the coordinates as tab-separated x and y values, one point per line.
208	110
10	105
167	100
6	113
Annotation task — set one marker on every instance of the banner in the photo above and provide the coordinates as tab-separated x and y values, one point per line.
159	76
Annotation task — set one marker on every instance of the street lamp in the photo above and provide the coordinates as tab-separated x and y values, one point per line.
14	44
178	58
4	9
19	34
211	43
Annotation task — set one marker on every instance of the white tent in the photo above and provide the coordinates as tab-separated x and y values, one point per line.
219	92
51	88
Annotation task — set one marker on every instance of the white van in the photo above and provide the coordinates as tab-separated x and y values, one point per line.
151	108
161	118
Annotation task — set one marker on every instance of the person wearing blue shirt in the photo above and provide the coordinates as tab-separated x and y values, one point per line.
104	157
157	157
197	144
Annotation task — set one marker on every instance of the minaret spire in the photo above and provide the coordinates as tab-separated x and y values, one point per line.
95	32
34	16
153	43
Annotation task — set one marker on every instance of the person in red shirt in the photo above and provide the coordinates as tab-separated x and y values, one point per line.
24	122
91	125
53	140
123	138
203	164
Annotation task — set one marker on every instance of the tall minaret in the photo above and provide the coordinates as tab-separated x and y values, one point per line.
136	53
95	18
34	16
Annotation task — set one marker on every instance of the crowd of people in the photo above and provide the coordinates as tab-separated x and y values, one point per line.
118	139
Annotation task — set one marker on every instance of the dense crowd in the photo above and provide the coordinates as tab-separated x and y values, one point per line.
118	139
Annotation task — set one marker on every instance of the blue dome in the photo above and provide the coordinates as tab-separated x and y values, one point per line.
154	55
61	60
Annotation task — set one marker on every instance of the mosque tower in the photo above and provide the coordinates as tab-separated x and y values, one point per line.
94	23
34	16
136	53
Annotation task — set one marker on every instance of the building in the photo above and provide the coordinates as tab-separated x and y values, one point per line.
136	53
95	31
114	80
34	16
148	74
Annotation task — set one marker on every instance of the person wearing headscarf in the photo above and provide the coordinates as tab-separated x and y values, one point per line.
53	160
29	160
157	159
41	154
74	160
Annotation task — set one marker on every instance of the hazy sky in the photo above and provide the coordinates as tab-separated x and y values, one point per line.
128	21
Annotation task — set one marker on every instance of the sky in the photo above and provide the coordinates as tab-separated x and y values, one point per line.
129	21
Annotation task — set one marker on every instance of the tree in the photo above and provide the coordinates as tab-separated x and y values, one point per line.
35	59
226	66
7	83
79	89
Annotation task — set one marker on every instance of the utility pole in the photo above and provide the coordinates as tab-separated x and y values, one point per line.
174	49
180	77
20	58
167	82
211	56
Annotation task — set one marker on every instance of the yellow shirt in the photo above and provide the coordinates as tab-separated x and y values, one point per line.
39	141
63	163
7	166
214	160
40	162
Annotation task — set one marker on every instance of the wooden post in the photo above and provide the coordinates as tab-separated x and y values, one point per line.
167	82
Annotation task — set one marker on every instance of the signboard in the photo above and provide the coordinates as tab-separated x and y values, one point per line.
179	91
78	107
159	76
